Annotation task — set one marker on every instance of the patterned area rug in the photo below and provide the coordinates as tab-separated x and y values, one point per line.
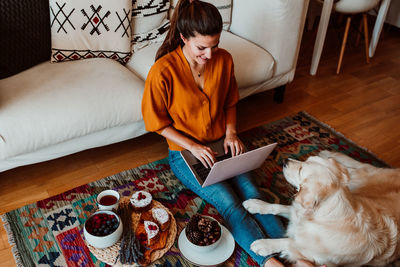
49	232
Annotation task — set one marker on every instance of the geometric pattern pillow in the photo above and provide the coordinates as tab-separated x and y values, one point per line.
149	22
224	7
83	29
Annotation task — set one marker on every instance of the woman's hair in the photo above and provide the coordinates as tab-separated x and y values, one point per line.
190	17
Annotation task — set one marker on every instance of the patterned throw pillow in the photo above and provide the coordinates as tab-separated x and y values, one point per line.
90	28
224	7
149	22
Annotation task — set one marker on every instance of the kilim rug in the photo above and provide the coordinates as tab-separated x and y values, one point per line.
49	232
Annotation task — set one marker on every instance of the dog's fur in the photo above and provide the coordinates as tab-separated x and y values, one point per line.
345	213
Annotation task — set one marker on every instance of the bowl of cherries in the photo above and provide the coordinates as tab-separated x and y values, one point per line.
102	229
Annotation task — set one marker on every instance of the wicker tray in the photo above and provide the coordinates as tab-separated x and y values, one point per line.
110	254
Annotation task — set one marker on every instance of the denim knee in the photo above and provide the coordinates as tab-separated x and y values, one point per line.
246	187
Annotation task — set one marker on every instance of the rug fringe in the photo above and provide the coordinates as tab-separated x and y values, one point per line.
366	150
11	241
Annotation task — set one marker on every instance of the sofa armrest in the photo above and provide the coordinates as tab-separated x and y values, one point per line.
275	25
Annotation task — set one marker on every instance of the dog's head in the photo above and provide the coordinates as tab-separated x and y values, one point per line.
315	179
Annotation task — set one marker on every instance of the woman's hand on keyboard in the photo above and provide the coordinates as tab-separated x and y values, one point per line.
233	143
204	154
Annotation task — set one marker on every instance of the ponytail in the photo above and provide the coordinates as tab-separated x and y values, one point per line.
190	17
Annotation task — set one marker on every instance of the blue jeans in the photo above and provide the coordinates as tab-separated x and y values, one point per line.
227	198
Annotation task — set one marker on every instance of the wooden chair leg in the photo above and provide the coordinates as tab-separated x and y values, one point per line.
346	32
366	36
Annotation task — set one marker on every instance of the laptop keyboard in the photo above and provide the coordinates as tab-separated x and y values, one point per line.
203	172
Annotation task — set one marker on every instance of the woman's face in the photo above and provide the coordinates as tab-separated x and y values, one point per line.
201	47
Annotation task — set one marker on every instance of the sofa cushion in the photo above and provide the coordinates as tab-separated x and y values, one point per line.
25	35
90	28
253	65
52	103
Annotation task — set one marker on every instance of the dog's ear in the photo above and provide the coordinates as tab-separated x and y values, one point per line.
305	198
339	171
311	193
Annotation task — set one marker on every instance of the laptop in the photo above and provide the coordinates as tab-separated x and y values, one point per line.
226	166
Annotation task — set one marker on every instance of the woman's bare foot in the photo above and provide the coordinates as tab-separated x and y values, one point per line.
272	262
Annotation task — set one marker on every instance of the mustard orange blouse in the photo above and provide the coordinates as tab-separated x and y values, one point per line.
172	98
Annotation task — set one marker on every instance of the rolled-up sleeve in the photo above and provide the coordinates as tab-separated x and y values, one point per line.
154	103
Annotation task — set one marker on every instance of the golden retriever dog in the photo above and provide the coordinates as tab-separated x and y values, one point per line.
345	213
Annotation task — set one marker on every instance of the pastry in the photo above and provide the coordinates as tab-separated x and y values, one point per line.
152	232
156	242
161	216
141	201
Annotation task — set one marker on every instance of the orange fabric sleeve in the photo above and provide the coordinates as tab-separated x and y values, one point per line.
154	103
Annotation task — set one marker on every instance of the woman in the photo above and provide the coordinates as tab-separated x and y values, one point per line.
190	98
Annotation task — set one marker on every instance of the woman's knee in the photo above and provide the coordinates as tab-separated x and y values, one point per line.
246	187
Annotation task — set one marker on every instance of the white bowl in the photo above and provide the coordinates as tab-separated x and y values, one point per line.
208	247
109	192
103	241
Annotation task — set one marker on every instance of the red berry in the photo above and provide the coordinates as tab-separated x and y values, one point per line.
141	196
152	227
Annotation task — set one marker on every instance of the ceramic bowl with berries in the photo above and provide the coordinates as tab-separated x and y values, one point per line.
203	233
102	229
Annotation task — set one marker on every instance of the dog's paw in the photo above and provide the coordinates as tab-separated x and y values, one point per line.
263	247
253	205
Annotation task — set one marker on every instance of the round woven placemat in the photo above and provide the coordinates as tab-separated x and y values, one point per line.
110	254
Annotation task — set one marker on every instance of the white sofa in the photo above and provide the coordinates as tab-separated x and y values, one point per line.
55	109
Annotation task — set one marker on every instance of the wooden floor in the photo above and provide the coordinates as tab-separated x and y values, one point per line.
363	103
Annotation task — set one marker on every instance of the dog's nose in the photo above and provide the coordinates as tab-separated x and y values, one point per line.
285	162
